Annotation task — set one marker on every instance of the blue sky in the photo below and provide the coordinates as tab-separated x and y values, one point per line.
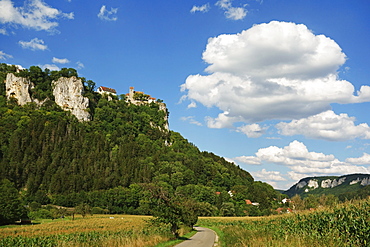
280	87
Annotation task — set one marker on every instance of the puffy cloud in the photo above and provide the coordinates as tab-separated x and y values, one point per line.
249	160
275	70
108	15
4	56
191	120
363	160
269	175
192	105
60	60
222	121
252	130
297	157
326	125
233	13
34	44
274	50
204	8
297	176
34	14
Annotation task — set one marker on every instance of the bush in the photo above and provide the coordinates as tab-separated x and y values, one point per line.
40	214
99	210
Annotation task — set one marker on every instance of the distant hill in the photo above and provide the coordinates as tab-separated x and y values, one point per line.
335	185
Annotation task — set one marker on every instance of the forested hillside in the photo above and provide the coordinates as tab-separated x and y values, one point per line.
52	158
346	187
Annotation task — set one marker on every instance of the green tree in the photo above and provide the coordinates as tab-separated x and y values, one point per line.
171	208
297	202
311	201
11	208
83	209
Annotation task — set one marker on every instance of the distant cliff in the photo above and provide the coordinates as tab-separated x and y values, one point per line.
68	94
329	184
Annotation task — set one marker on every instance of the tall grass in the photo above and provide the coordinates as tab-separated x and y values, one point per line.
343	225
92	231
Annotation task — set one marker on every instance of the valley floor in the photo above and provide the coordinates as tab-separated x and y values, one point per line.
343	225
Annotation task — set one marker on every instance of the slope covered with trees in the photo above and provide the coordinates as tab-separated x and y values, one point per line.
52	158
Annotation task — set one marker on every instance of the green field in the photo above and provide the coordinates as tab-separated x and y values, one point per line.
343	225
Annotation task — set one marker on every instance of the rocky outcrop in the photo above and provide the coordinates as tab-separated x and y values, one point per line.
313	184
163	107
365	181
301	184
341	184
18	88
328	183
68	95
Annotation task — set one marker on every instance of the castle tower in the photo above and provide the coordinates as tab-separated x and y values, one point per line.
131	93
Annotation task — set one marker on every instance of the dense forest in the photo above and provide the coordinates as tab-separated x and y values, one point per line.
52	158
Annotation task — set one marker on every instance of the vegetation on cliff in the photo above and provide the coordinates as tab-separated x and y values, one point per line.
52	158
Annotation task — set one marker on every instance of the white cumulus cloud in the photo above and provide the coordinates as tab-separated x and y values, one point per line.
204	8
108	15
327	126
252	130
60	60
249	160
296	157
363	160
34	44
276	70
268	175
35	14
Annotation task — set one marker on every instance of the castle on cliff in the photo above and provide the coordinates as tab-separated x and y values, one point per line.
136	97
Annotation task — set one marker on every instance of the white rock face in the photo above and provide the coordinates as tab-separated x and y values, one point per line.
326	183
301	185
355	181
365	181
313	184
18	88
68	95
162	107
341	180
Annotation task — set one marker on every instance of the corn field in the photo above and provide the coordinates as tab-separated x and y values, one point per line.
344	225
91	231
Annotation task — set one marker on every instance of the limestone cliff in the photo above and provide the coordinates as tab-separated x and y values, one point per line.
330	184
68	95
18	88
